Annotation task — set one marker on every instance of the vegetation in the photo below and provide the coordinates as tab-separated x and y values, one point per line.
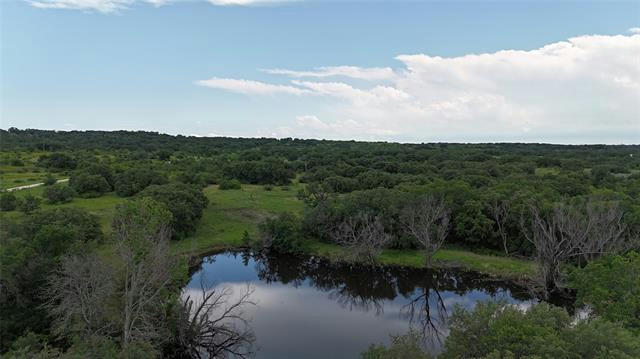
567	216
185	203
58	194
499	330
610	287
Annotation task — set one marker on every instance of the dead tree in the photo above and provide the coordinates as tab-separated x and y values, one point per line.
141	232
569	232
214	326
427	221
363	236
76	293
607	231
554	237
500	212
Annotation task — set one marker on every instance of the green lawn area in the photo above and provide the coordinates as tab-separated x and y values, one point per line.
504	267
231	212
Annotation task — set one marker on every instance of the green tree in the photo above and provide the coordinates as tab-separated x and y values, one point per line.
280	234
8	201
610	286
58	194
29	203
89	185
49	180
186	204
406	346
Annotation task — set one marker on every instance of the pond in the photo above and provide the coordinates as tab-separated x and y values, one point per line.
308	307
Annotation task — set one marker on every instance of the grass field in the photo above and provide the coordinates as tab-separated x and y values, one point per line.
232	212
28	173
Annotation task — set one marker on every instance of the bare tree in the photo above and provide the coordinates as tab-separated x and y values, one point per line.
427	220
363	236
607	233
554	238
141	232
76	293
568	232
500	212
214	326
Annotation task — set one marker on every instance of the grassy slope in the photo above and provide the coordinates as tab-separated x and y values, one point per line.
231	212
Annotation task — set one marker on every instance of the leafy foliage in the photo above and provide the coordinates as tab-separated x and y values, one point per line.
185	203
58	194
281	234
610	286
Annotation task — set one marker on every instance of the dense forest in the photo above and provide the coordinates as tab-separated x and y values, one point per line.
573	210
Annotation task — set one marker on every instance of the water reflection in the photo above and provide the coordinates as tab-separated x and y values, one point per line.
309	307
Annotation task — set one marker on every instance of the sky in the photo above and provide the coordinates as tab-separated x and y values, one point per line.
406	71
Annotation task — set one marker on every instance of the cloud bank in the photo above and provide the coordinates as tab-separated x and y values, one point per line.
585	89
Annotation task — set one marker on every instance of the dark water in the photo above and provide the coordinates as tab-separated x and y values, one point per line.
311	308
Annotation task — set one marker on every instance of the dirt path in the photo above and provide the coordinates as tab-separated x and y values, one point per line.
32	185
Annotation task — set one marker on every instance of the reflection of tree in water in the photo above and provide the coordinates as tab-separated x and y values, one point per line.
367	288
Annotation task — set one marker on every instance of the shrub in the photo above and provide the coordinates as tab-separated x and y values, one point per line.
8	201
499	330
29	203
49	180
59	161
89	185
58	194
268	187
226	184
408	346
185	202
84	225
610	286
135	180
281	234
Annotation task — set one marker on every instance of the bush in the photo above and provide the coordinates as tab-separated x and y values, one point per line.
134	180
89	185
29	203
100	170
406	346
8	202
281	234
226	184
58	194
58	161
268	187
49	180
610	286
501	330
185	202
84	225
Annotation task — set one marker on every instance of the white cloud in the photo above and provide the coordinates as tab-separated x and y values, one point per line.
373	73
103	6
585	89
114	6
634	30
250	87
245	2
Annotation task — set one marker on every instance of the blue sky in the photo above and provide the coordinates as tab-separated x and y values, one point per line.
195	67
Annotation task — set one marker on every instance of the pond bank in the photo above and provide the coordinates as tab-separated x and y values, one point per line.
504	268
